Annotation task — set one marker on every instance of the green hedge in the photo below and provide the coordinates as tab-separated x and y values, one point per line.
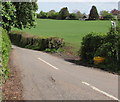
35	42
89	45
107	46
4	53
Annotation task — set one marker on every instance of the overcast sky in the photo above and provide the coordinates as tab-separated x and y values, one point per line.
82	5
78	0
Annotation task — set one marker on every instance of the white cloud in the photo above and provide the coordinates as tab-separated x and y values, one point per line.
78	0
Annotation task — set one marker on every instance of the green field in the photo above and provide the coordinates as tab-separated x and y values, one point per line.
71	30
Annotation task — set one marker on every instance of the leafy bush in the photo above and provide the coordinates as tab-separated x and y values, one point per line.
107	46
35	42
118	27
108	17
89	45
106	50
118	53
4	53
55	43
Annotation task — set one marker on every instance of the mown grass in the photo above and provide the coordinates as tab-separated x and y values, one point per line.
71	30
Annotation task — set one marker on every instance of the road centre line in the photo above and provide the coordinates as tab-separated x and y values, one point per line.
96	89
48	64
86	83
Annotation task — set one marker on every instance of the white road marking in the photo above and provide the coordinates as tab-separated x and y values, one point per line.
96	89
86	83
48	64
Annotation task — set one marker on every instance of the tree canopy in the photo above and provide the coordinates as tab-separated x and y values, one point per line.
93	13
42	14
106	15
8	15
52	14
18	14
63	13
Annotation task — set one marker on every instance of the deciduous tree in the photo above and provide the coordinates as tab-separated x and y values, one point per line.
43	14
106	15
52	14
63	13
8	15
18	14
25	14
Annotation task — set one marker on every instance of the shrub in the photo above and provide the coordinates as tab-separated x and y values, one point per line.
107	46
109	49
118	27
106	50
4	54
108	17
89	45
55	43
35	42
118	53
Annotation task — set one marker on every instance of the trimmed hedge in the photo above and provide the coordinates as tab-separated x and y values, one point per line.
4	53
107	46
35	42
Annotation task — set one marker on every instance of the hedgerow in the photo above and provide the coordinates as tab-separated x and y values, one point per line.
4	53
35	42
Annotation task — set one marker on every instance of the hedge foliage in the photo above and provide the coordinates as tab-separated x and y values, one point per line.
107	46
5	46
89	45
35	42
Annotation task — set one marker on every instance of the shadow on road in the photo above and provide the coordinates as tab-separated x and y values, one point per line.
88	65
78	62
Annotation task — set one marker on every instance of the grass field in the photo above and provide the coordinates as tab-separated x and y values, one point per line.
71	30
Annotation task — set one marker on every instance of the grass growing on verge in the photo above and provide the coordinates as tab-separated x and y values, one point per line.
71	30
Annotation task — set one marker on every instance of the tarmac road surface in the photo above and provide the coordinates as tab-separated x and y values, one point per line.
46	77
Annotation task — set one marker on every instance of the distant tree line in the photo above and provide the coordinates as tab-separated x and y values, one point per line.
61	15
93	15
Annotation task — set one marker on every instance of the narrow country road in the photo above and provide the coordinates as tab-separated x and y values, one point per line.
46	77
